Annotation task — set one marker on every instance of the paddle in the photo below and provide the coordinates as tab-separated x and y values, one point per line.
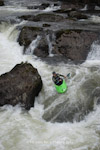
68	75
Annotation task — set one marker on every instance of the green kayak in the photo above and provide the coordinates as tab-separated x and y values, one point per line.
61	88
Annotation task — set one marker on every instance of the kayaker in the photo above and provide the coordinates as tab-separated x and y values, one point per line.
57	78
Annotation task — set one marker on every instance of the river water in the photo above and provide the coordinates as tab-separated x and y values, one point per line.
20	130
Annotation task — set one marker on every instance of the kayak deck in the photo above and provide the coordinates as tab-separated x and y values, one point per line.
61	88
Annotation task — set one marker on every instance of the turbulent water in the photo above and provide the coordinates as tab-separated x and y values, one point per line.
28	130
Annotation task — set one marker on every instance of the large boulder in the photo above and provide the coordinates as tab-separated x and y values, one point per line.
1	3
63	112
20	85
42	50
28	34
77	15
46	17
74	44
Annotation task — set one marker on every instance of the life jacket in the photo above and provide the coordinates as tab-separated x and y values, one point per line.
57	80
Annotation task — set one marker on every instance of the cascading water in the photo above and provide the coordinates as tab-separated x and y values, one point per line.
49	40
95	52
28	130
33	45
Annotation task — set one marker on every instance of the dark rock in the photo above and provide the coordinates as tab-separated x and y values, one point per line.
28	34
27	17
63	112
91	90
42	50
55	4
81	1
30	7
98	101
63	10
20	85
43	17
91	6
76	14
74	44
42	6
46	25
71	6
1	2
96	92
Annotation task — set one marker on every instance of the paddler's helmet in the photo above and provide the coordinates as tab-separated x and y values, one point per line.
53	72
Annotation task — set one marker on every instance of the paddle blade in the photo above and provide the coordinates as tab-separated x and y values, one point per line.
68	75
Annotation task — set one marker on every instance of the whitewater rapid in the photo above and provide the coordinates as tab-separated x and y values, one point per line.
28	130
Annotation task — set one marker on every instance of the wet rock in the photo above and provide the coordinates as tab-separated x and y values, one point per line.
56	4
64	112
46	25
27	17
91	90
1	3
91	6
71	6
28	34
63	10
20	85
98	101
49	17
78	15
81	1
42	50
74	44
31	7
96	92
42	6
79	4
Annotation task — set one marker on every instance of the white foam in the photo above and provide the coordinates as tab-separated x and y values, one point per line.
94	52
95	19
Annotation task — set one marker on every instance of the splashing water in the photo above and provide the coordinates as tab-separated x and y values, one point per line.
95	52
32	46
